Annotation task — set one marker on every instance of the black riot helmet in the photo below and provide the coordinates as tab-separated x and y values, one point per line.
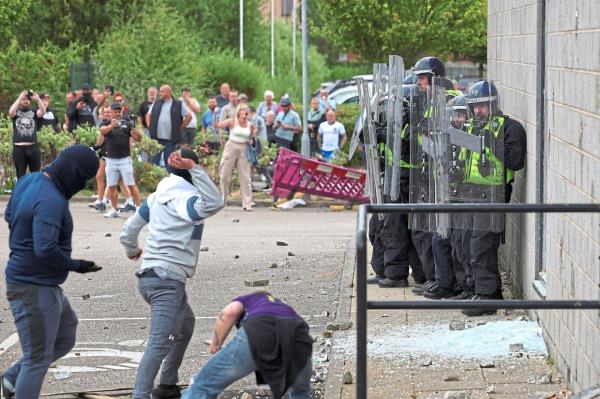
458	111
483	92
430	65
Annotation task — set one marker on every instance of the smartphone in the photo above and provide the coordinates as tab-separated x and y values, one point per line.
111	89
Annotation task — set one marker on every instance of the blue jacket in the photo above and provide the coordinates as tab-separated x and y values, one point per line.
40	222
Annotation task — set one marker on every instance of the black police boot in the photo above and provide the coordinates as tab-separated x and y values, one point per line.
375	279
480	312
437	292
418	289
389	283
163	391
468	293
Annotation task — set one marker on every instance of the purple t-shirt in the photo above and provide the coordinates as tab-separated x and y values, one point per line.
265	304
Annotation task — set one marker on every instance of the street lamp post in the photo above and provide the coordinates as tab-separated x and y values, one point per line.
272	38
294	35
305	137
242	29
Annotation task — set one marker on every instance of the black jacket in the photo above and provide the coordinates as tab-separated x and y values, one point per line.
280	348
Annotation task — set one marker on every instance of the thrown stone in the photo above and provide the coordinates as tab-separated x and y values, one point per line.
291	254
256	283
87	247
107	235
515	347
426	362
347	378
487	365
456	325
235	220
86	296
490	389
273	266
451	378
327	334
281	243
236	256
457	395
346	325
332	326
204	249
540	379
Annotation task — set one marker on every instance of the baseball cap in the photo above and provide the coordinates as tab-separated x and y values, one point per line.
86	86
116	105
285	101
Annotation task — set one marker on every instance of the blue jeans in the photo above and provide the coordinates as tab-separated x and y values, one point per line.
46	325
169	147
171	327
230	364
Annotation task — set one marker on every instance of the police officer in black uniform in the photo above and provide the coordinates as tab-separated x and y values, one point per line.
494	174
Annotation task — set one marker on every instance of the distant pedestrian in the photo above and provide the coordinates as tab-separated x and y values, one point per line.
272	340
228	112
267	105
210	135
259	124
332	136
188	135
81	110
235	152
25	120
50	117
314	118
167	117
151	94
223	96
288	125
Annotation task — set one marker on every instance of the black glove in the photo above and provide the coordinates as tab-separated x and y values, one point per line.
86	266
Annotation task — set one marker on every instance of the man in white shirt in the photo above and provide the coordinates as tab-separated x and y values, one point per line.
329	136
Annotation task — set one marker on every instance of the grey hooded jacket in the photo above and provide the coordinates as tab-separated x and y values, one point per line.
175	215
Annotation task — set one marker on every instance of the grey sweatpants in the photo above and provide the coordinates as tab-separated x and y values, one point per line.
171	328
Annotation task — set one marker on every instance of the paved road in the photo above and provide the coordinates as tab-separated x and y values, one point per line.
113	319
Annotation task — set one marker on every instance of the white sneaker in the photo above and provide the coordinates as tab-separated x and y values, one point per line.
111	213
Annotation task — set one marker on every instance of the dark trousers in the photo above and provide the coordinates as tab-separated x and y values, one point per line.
169	147
285	143
448	270
400	252
375	226
46	325
422	242
26	156
483	250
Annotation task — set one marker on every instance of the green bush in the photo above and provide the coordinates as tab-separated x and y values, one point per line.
44	69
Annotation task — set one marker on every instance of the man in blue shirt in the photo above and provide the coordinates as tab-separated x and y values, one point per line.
41	226
288	125
210	136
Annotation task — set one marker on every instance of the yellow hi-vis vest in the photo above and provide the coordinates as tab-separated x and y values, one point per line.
473	159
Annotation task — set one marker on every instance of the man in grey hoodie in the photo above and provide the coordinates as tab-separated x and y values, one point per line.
175	215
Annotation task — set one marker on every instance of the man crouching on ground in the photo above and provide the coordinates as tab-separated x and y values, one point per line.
175	214
272	340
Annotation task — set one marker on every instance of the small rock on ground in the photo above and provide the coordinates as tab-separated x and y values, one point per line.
457	395
235	220
347	378
516	347
540	379
281	243
256	283
246	395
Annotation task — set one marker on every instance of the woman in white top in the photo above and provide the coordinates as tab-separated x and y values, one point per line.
241	132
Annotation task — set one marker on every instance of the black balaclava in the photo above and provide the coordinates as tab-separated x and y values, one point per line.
184	173
72	169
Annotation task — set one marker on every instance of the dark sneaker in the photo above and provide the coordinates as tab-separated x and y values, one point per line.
463	296
375	279
166	392
418	289
100	207
6	391
127	208
479	312
437	292
389	283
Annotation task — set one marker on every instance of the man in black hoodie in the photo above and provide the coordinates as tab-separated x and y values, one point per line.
272	340
81	111
41	226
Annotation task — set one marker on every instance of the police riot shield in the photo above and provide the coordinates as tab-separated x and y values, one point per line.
394	115
370	142
422	187
474	158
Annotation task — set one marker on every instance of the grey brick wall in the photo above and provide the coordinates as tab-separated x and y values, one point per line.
571	254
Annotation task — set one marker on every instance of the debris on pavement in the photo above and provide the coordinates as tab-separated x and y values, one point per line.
256	283
281	243
347	378
204	249
108	235
86	296
235	220
540	379
515	347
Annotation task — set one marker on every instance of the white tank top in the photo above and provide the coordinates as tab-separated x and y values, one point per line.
239	134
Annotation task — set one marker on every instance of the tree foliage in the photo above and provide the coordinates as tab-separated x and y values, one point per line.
375	29
12	13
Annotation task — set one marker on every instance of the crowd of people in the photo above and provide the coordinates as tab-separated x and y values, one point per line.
229	126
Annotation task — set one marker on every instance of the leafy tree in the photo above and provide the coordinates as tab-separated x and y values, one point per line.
153	49
375	29
11	14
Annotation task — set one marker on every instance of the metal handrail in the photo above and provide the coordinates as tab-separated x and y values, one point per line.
362	304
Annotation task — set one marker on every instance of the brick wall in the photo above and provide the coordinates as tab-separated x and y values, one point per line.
571	254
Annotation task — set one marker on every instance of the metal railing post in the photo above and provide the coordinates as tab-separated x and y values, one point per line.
361	304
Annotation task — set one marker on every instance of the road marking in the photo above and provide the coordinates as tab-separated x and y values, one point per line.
8	343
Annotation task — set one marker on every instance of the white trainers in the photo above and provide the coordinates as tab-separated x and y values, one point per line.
111	213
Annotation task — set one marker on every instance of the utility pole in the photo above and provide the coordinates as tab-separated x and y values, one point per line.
305	137
294	35
272	38
242	29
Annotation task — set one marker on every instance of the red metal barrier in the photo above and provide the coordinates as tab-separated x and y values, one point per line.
294	172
